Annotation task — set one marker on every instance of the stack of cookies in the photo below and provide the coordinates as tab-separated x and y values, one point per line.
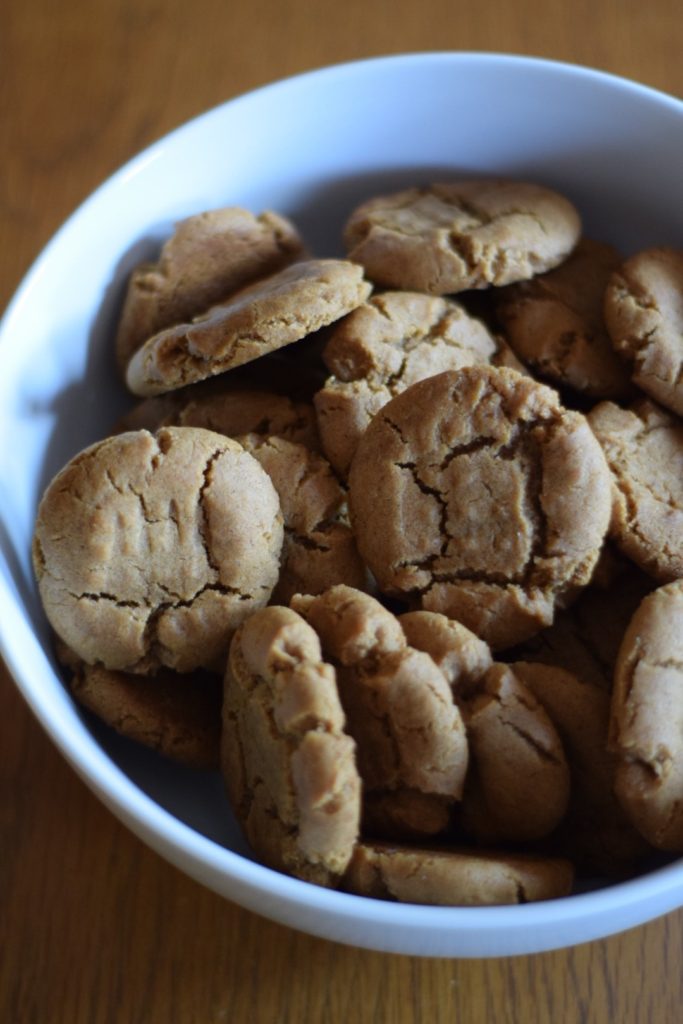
396	542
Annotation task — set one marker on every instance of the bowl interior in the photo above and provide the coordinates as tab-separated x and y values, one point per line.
311	147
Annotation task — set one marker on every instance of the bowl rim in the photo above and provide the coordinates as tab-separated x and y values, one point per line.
194	852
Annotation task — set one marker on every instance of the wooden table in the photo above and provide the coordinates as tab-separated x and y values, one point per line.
94	927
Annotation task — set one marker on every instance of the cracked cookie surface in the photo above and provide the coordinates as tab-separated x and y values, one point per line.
207	257
380	349
288	765
265	316
476	494
459	235
555	324
455	877
644	450
646	722
412	749
318	550
644	316
149	550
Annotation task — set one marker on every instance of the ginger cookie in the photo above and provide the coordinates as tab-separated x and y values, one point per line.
178	716
288	765
462	234
150	550
273	312
412	751
644	316
519	783
644	449
554	322
381	348
595	832
319	550
453	877
476	494
646	723
460	655
208	257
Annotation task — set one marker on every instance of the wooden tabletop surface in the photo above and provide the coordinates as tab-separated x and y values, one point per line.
94	927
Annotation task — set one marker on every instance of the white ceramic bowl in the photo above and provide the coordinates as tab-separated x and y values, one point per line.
311	147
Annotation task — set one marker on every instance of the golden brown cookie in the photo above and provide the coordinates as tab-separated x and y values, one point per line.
476	494
461	234
646	723
644	449
261	318
412	751
208	257
318	550
595	832
179	716
519	783
554	323
288	765
455	877
381	348
644	316
150	550
455	650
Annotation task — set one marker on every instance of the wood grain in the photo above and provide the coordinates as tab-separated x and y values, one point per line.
95	928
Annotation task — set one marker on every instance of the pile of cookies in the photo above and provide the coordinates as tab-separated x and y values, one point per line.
396	541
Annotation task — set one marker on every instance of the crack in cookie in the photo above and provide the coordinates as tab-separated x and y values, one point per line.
476	494
144	549
463	234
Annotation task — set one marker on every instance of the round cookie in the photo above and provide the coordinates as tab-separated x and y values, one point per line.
455	877
644	317
412	750
207	257
595	832
261	318
288	766
519	784
644	450
429	480
178	716
149	550
381	348
318	550
462	234
646	722
554	323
